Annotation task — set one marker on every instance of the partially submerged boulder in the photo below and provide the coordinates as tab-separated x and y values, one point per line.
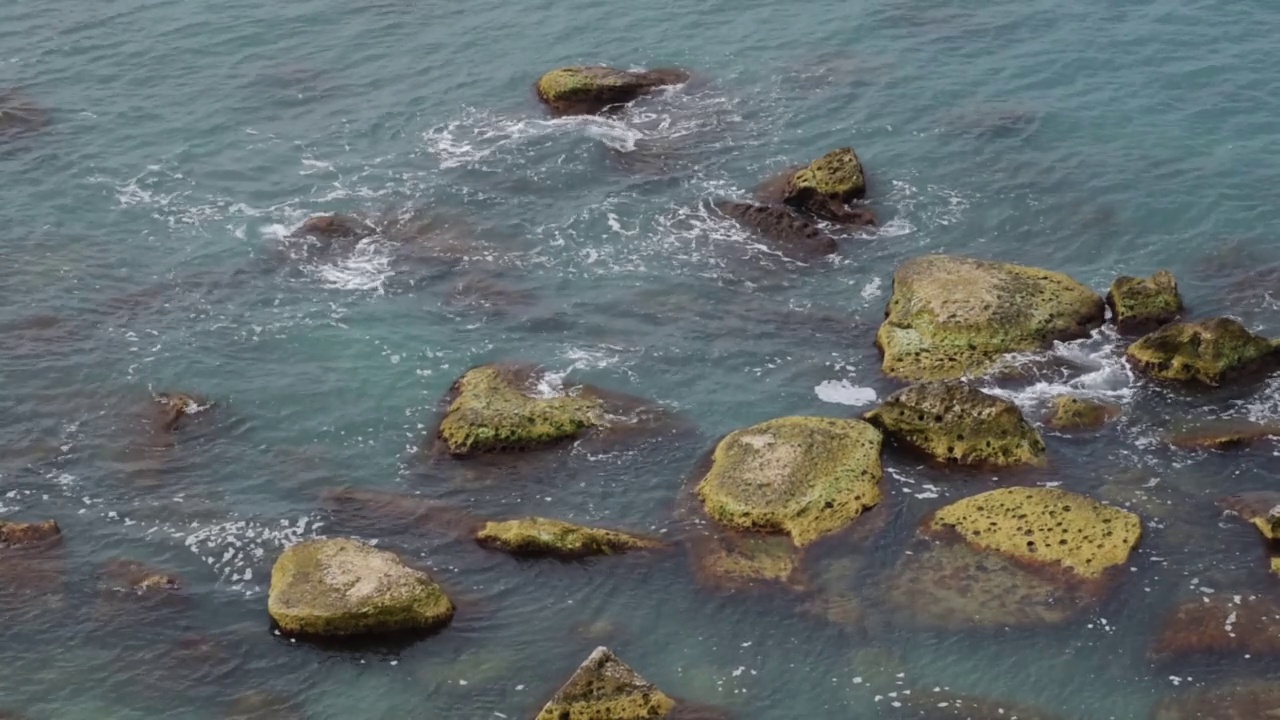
802	476
175	406
738	561
335	227
1225	625
133	577
1043	527
1143	304
825	186
605	688
791	235
1209	352
340	587
590	89
259	705
20	115
952	316
16	534
1226	435
545	537
1261	508
1070	412
954	422
1248	700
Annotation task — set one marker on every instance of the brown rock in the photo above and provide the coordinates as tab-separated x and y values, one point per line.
19	115
1227	435
788	233
1262	508
13	534
1251	700
1222	624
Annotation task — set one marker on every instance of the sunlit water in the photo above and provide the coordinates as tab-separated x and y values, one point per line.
145	249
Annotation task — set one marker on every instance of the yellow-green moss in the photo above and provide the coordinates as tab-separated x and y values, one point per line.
952	316
492	411
537	536
605	688
1275	564
804	476
590	89
339	587
955	422
1209	352
17	533
735	560
1072	413
1138	303
835	176
1043	526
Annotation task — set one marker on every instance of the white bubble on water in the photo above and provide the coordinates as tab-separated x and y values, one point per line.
843	392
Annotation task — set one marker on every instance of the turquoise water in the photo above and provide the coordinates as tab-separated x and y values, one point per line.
145	250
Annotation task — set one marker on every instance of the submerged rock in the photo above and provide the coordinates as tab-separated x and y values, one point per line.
544	537
1074	413
15	534
1143	304
19	115
942	704
335	227
175	406
951	316
955	422
605	688
137	578
1209	352
590	89
31	565
1226	435
258	705
826	186
1261	508
339	587
1250	700
735	561
788	233
802	476
1225	625
1043	527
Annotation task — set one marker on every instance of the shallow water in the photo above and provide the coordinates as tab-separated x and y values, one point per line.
146	250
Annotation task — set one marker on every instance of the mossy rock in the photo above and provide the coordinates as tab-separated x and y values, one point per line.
735	561
605	688
1042	526
952	316
1226	435
1261	508
1248	700
1143	304
803	476
339	587
590	89
494	409
824	186
14	534
1223	625
1209	352
1074	413
955	422
545	537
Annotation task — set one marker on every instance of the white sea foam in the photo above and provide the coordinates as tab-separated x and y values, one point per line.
238	550
844	393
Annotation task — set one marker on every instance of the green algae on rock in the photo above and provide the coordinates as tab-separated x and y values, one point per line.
605	688
1143	304
494	409
825	186
340	587
952	316
1248	700
735	561
1225	624
590	89
1074	413
1043	526
545	537
954	422
803	476
1209	352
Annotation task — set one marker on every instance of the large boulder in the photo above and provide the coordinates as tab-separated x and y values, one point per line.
1075	413
590	89
1223	625
1143	304
791	235
605	688
825	186
802	476
955	422
952	316
1042	527
545	537
1209	352
1247	700
339	587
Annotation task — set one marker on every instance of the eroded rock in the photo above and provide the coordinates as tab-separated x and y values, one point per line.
545	537
789	234
1075	413
591	89
1209	352
826	186
605	688
1143	304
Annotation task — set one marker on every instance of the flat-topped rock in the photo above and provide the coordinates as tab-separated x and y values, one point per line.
1226	435
1209	352
588	89
1144	304
1227	625
546	537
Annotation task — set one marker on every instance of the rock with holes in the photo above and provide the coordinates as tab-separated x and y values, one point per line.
954	422
340	588
1220	626
1227	435
826	186
545	537
788	233
1248	700
1042	527
605	688
1143	304
590	89
1209	352
801	476
1069	412
952	316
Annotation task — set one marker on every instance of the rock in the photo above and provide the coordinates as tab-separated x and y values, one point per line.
1074	413
1223	624
789	234
334	227
605	688
132	577
941	704
1143	304
174	406
258	705
951	316
544	537
1210	352
827	185
1046	527
802	476
955	422
1226	435
1261	508
31	567
591	89
19	115
14	534
339	587
737	561
1249	700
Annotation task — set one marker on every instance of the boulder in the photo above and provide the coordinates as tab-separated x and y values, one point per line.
1225	625
339	588
544	537
605	688
1226	435
802	476
15	534
952	316
1209	352
1143	304
1074	413
789	234
955	422
590	89
826	186
1042	527
1248	700
737	561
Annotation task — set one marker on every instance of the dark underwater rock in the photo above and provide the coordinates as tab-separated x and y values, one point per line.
1220	626
19	115
788	233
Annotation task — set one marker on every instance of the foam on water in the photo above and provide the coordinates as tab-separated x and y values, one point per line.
843	392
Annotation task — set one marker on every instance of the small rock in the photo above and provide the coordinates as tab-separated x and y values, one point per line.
175	406
13	534
1142	305
591	89
137	578
335	227
827	185
1226	435
544	537
1073	413
789	234
258	705
1208	352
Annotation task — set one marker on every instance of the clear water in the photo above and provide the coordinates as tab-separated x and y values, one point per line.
144	250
